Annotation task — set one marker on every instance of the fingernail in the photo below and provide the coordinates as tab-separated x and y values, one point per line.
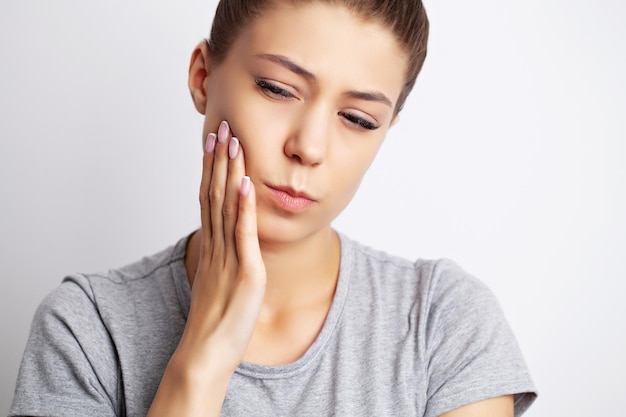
245	185
209	145
222	133
233	147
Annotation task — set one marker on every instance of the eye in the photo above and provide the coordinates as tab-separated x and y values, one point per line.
358	121
272	90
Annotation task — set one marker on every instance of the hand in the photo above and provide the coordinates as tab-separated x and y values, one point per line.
230	280
227	290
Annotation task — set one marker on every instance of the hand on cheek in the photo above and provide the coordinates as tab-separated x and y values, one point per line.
230	280
227	290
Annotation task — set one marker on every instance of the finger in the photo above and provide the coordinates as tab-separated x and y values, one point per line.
245	304
236	171
217	189
246	233
207	169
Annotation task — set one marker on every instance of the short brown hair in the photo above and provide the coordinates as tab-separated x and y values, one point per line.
406	18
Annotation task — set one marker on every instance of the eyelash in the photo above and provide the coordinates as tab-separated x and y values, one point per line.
273	90
359	121
276	92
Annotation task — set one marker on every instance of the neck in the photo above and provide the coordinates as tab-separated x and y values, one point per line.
297	273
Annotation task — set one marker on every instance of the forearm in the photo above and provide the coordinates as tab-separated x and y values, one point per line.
190	390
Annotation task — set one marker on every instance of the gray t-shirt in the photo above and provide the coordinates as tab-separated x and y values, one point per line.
401	339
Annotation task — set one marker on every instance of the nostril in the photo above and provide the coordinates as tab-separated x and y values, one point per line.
307	146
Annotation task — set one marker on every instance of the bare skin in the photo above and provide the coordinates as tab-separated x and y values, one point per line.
228	288
264	265
492	407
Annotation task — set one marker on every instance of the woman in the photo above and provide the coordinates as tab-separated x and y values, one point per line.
266	311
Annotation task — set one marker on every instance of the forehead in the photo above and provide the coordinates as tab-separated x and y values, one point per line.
338	47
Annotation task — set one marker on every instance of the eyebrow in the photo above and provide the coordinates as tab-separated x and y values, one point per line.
297	69
291	66
370	96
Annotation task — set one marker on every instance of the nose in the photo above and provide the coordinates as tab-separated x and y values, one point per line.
308	141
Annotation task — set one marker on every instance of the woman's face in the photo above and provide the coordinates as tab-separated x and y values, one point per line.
310	93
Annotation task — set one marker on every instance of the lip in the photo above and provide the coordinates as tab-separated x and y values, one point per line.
289	199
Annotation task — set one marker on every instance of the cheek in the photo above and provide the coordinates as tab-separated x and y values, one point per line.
229	101
355	157
351	162
258	136
255	123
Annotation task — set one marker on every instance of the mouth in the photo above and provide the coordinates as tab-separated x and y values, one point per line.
289	199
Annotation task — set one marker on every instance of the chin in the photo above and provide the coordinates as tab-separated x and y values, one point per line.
276	230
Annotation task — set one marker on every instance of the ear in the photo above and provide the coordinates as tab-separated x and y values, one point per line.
199	71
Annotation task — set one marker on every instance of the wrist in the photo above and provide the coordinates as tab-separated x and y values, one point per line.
202	365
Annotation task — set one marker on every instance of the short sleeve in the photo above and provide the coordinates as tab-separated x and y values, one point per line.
69	366
471	351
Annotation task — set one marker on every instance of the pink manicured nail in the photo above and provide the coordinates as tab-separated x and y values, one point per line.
209	145
245	185
222	133
233	147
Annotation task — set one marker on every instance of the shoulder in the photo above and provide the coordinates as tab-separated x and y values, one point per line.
94	325
80	297
119	288
431	281
463	345
148	267
430	293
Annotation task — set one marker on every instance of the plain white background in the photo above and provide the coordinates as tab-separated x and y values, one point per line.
509	158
